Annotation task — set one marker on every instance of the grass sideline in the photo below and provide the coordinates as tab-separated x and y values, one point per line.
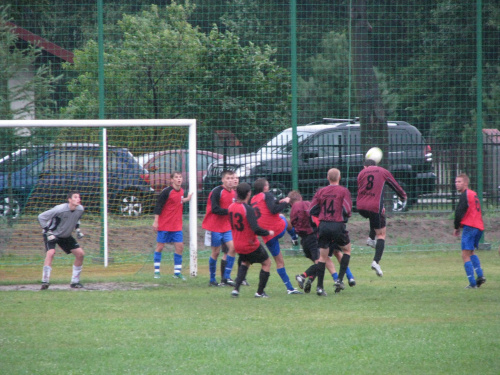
417	319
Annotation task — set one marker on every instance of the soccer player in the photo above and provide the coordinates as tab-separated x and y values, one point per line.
306	227
58	224
469	217
333	206
370	205
268	216
168	223
216	223
245	229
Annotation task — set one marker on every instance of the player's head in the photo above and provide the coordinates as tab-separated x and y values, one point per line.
176	179
260	185
333	175
227	178
243	190
294	196
462	182
74	198
236	180
369	163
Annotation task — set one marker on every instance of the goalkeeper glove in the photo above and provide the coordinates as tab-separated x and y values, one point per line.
50	236
79	234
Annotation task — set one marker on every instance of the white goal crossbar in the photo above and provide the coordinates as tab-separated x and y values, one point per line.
190	123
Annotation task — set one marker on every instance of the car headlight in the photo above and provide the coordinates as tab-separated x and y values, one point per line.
245	170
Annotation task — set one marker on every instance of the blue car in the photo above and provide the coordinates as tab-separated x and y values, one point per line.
55	170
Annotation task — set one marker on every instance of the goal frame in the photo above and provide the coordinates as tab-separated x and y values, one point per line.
112	123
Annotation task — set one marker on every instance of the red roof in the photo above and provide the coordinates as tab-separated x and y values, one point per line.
38	41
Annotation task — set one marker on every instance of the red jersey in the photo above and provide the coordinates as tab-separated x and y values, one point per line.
216	219
468	211
371	182
301	219
244	228
169	209
332	203
268	213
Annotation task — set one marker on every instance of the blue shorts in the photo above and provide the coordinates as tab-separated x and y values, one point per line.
470	237
218	238
273	244
169	237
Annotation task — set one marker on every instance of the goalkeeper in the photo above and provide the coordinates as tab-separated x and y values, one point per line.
58	224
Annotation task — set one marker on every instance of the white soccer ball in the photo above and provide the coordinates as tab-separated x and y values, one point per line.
375	154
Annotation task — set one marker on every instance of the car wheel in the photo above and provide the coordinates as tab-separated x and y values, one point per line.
129	204
10	208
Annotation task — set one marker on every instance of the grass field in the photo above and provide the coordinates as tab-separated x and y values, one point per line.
417	319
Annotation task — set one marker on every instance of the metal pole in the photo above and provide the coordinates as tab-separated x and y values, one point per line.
293	51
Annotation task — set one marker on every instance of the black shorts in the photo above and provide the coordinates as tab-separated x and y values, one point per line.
66	244
331	231
377	220
310	246
333	247
258	256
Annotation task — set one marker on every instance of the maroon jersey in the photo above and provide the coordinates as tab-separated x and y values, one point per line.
301	219
468	211
371	182
244	228
216	219
268	213
169	209
332	203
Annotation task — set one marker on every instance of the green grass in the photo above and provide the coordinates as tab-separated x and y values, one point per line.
417	319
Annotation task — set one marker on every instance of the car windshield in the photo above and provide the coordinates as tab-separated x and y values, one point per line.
282	143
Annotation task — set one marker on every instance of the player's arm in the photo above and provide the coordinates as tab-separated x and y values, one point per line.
347	206
45	218
393	184
252	221
461	210
315	206
160	203
215	200
276	208
188	198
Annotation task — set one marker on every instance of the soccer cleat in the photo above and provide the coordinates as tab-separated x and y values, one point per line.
307	285
471	287
295	242
293	291
44	286
352	282
76	285
377	269
321	292
371	243
339	286
480	281
179	276
157	275
225	282
263	295
235	293
213	283
300	280
245	283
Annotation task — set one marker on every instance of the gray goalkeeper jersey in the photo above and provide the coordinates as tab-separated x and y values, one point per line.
60	220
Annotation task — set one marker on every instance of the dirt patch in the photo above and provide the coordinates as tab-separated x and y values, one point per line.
110	286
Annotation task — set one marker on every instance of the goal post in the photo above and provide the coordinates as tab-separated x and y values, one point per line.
159	138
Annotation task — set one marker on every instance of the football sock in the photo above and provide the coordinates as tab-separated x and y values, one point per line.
212	267
75	277
177	264
263	277
157	261
344	263
222	267
285	278
229	266
320	273
477	265
242	274
311	271
469	271
348	273
46	274
335	276
292	233
379	250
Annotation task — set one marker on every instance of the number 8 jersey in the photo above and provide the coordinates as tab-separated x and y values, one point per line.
244	228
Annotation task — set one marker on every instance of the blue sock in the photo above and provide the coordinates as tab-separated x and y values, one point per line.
335	276
469	271
212	267
348	273
229	267
285	278
177	263
157	261
477	265
292	233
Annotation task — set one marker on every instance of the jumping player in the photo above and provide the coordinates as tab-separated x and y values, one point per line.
469	217
268	216
58	224
168	223
370	204
216	222
245	229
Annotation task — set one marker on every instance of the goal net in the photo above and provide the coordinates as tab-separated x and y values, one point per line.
118	167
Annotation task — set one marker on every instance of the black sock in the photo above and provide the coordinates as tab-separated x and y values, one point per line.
311	271
242	273
263	277
372	233
379	250
223	263
344	263
320	273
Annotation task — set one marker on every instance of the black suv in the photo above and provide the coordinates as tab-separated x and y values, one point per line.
332	143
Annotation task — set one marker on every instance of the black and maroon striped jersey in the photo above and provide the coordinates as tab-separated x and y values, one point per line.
301	219
332	203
